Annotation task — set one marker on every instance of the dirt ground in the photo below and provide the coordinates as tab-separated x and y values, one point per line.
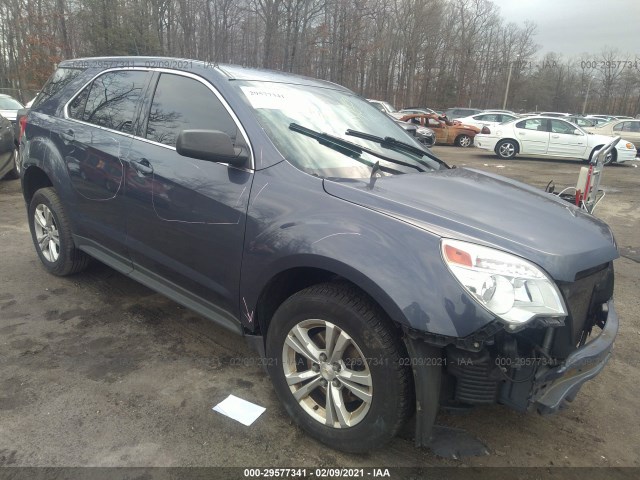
96	370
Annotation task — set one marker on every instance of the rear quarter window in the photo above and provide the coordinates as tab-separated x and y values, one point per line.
62	77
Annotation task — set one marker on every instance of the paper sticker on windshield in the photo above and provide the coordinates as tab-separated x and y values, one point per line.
273	98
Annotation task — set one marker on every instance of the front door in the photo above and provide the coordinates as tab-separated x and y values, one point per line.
564	141
186	217
439	128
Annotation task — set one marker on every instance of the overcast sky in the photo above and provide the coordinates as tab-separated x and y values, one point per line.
573	27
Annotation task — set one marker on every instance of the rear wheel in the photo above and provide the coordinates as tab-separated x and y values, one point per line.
506	149
51	234
336	365
463	141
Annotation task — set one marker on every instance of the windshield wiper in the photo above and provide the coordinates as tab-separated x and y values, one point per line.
386	141
394	144
350	149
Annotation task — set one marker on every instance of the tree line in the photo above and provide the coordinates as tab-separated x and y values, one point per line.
436	53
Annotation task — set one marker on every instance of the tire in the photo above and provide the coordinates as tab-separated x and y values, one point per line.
506	149
58	255
370	345
464	141
611	158
14	173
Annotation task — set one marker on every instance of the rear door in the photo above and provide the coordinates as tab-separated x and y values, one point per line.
533	136
186	217
94	136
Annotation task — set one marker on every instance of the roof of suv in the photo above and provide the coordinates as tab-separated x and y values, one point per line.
232	72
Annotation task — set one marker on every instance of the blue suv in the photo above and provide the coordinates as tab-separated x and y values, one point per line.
375	282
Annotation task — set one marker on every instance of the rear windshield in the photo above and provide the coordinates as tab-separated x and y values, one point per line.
60	79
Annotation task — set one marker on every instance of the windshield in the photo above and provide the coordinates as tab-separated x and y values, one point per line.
332	113
9	104
604	124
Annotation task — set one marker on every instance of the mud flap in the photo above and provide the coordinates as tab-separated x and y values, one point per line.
427	373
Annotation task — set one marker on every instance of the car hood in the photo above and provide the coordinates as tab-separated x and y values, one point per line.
492	210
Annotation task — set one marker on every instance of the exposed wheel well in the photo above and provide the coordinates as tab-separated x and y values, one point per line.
285	284
34	179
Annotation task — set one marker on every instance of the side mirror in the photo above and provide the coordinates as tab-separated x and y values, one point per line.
211	145
577	132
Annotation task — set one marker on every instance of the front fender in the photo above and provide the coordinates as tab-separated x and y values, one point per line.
293	222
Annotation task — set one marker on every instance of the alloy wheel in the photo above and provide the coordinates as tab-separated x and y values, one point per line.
327	373
506	150
47	234
465	141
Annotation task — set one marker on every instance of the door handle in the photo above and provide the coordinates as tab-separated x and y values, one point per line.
555	136
68	136
142	166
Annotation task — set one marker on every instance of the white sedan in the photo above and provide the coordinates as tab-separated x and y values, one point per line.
487	119
555	137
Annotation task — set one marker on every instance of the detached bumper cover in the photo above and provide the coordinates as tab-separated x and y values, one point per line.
562	383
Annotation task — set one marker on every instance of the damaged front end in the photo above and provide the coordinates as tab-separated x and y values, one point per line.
539	367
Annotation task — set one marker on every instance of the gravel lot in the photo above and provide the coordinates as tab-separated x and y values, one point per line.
98	370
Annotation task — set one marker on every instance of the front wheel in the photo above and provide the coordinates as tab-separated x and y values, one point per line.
609	159
506	149
463	141
337	366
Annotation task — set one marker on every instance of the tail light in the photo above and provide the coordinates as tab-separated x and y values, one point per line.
23	126
485	130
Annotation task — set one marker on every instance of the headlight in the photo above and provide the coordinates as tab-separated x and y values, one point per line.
511	288
631	146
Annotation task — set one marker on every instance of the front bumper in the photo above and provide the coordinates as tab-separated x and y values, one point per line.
560	384
626	155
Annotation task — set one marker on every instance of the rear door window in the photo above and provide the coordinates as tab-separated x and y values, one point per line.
532	124
182	103
111	100
488	117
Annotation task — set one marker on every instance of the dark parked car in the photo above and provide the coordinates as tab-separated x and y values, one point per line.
8	151
374	281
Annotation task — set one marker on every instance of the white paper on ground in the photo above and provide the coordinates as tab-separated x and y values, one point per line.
239	409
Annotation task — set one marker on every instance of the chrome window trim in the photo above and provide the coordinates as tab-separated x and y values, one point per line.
198	78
